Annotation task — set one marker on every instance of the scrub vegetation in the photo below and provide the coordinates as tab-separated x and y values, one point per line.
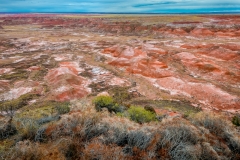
55	131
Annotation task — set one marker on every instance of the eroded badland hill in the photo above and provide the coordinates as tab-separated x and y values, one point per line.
59	72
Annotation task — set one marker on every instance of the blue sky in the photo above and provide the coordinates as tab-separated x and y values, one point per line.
130	6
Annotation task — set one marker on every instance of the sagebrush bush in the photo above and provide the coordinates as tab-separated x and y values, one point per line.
180	140
97	150
48	119
101	102
220	127
85	126
140	115
71	151
236	120
215	123
149	108
27	128
24	150
120	137
40	135
7	130
208	152
63	108
139	139
87	134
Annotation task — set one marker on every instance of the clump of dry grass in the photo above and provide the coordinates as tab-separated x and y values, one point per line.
180	139
78	124
84	133
24	150
221	127
97	150
6	130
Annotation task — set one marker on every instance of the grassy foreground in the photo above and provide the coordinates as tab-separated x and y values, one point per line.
79	131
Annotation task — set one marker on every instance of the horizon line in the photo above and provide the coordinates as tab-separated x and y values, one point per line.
210	12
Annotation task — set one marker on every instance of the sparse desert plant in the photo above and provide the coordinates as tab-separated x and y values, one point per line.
44	110
185	152
95	130
236	120
5	145
81	125
101	102
215	123
7	130
176	134
180	140
188	114
208	152
140	115
63	108
24	150
122	137
72	151
48	119
120	94
139	139
16	103
97	150
149	108
27	128
119	137
87	134
220	126
40	135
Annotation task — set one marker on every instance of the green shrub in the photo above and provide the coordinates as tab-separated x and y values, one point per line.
63	108
149	108
140	115
27	128
236	120
17	103
101	102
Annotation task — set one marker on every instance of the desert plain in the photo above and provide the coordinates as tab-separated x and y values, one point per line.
177	64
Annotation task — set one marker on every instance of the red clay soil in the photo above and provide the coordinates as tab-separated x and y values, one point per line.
4	85
207	62
65	83
210	68
204	65
201	32
136	60
167	113
19	88
34	68
207	94
5	70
